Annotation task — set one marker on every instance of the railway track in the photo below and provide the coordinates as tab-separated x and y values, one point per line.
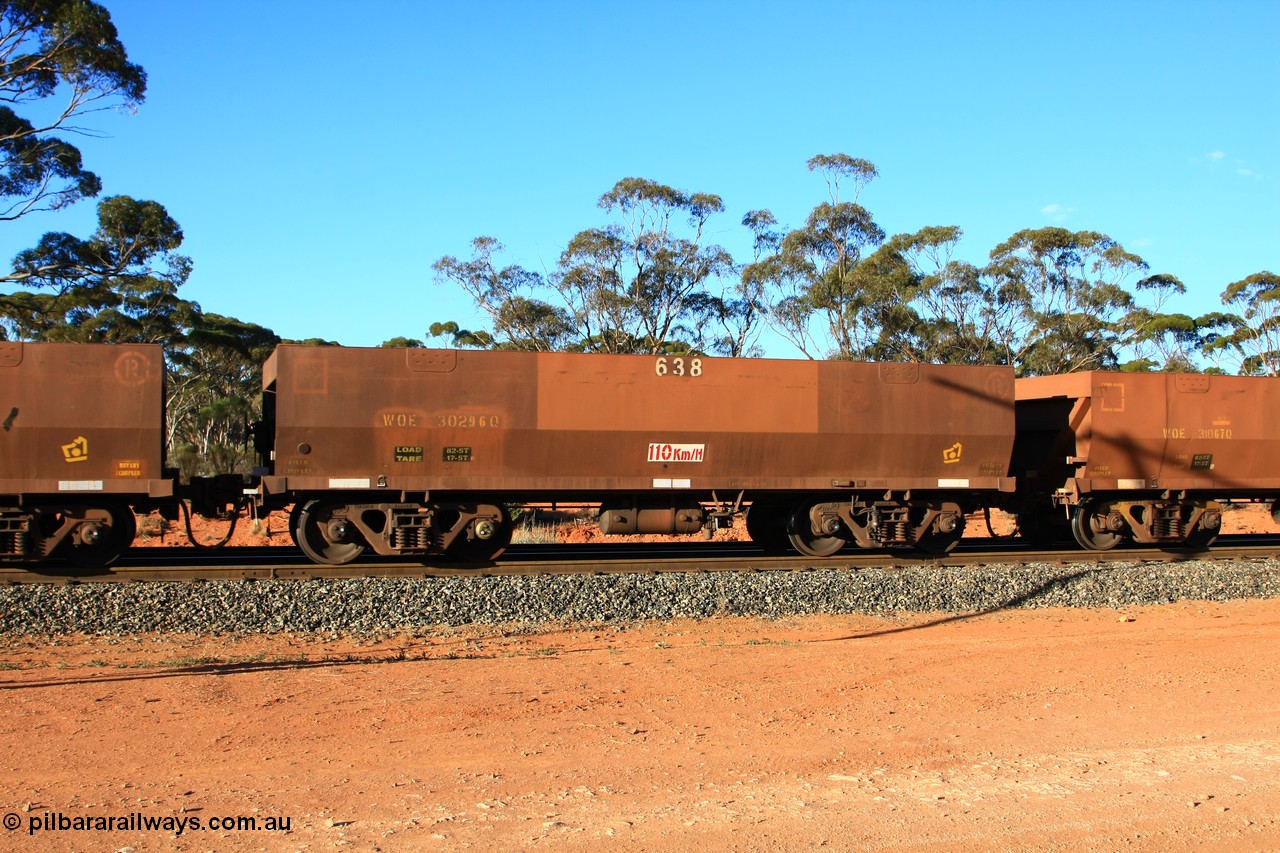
186	564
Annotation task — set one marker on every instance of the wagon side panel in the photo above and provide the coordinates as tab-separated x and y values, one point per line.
526	422
82	418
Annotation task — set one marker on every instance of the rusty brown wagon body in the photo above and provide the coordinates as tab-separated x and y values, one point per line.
1146	456
81	440
417	451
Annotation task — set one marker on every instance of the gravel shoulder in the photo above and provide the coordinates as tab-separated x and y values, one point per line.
374	606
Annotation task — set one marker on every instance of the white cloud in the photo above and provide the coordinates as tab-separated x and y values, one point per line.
1057	212
1243	168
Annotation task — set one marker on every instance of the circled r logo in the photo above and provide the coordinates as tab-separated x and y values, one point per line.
999	386
132	368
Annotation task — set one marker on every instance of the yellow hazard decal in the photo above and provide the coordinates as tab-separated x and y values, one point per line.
951	454
76	451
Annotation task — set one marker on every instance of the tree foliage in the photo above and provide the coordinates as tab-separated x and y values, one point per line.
121	285
1253	335
933	307
645	282
402	342
640	284
1047	300
214	392
817	271
118	285
520	321
52	48
1064	298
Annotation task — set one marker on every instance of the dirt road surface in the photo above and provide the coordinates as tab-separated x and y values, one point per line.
1146	729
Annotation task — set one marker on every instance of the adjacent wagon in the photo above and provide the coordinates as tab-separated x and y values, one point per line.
1144	457
81	442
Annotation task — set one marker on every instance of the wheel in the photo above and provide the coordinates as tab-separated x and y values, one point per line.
934	536
1208	526
295	512
767	526
1085	528
1200	538
324	538
474	549
803	539
938	543
104	540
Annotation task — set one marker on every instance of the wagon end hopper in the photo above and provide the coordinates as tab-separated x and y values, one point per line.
634	432
1148	456
81	440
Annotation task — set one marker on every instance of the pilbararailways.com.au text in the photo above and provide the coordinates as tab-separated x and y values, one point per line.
138	822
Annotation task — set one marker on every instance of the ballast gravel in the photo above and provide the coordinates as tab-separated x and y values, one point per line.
381	605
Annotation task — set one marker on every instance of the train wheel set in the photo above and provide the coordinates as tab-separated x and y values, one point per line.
335	533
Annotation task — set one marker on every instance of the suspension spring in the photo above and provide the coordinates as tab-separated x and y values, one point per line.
411	531
15	538
1168	523
13	543
893	531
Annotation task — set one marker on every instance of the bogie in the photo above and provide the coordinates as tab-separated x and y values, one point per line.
335	533
1101	524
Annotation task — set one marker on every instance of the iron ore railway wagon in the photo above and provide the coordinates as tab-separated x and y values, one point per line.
423	452
1143	457
82	448
419	451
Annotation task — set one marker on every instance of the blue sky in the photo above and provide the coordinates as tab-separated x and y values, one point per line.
320	156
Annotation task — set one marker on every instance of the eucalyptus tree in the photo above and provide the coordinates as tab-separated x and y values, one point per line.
120	284
814	270
938	309
214	391
1063	300
402	342
462	338
65	49
728	323
1252	333
1167	342
640	284
1164	342
646	282
509	295
62	60
755	282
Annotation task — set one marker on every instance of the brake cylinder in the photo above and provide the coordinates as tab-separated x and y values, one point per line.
618	520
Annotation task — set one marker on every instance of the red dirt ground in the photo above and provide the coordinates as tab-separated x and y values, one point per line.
1147	729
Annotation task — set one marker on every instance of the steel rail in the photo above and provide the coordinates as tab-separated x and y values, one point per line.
181	564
